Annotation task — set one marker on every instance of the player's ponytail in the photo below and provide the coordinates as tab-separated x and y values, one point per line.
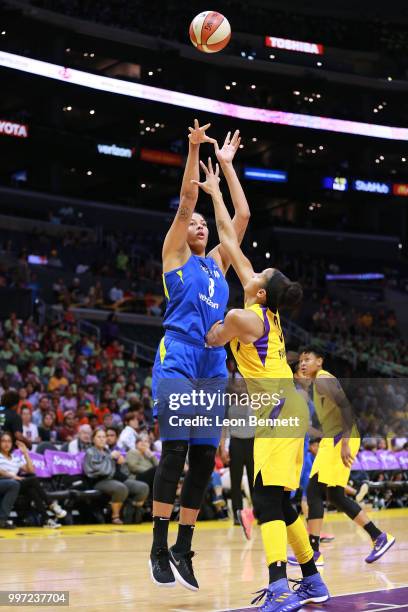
282	293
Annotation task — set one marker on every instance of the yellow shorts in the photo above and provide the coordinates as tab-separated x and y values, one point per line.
279	460
278	451
329	465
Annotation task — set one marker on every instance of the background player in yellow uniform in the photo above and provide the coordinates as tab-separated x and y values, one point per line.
259	348
331	468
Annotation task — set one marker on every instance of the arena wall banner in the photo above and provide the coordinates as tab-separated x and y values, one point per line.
403	459
166	158
400	189
10	128
205	105
40	464
59	462
370	461
294	45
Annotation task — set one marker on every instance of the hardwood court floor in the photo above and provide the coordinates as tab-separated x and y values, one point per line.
105	567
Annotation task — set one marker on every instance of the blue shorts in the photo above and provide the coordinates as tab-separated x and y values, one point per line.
189	380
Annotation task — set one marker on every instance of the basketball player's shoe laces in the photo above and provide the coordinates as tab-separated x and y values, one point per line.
381	545
182	567
278	598
311	589
160	569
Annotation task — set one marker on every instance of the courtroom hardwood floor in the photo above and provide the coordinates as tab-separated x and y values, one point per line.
105	567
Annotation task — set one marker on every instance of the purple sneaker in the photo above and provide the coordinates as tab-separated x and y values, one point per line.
311	589
381	545
317	557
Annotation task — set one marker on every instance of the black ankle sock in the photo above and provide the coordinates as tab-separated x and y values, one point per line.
277	571
372	530
160	531
314	542
309	568
184	537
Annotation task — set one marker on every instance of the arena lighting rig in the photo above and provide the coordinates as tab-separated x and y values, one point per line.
175	98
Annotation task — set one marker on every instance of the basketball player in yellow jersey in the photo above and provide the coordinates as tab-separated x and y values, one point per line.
331	469
258	345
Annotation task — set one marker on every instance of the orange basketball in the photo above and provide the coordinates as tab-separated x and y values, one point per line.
210	32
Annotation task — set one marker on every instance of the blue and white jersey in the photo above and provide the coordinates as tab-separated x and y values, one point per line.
196	295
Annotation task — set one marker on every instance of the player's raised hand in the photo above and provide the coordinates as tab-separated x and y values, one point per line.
198	134
212	179
226	154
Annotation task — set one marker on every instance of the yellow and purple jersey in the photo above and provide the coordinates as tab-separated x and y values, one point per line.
266	357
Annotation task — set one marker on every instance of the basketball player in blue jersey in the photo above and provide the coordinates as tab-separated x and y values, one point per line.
197	295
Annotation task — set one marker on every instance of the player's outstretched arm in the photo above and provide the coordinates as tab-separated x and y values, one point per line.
225	157
239	323
176	251
226	231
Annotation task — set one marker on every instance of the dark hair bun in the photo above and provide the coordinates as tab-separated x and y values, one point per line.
291	295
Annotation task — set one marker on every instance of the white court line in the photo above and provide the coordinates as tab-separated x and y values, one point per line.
388	607
378	603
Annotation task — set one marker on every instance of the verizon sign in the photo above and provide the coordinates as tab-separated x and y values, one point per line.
294	45
106	149
9	128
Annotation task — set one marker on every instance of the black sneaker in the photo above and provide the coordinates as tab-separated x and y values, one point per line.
4	524
182	566
160	570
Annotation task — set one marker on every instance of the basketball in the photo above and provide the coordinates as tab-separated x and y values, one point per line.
210	32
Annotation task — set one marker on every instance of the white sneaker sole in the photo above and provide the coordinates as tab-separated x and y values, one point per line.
383	551
166	585
296	563
316	599
180	578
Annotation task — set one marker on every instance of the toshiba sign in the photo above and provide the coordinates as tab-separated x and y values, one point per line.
294	45
13	129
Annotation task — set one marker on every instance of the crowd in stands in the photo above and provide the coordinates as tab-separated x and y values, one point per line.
120	275
72	392
370	336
